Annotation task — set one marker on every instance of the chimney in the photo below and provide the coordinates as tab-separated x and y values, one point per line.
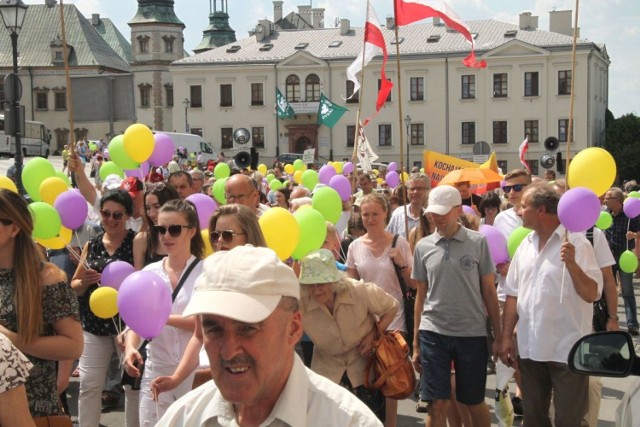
263	29
391	23
277	10
528	22
318	17
345	27
436	21
95	19
305	12
560	22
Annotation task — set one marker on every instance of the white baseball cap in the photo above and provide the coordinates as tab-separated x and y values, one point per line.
442	199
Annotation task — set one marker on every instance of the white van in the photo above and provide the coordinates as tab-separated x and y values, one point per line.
193	144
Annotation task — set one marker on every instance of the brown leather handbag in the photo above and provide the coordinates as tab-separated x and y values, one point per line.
53	421
392	370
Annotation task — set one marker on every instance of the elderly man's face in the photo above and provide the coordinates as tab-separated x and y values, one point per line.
250	363
198	182
238	189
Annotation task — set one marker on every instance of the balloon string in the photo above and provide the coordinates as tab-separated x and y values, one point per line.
628	227
118	329
78	257
564	270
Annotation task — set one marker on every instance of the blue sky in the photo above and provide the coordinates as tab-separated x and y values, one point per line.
616	23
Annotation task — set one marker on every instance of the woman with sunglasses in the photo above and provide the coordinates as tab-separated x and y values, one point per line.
178	231
146	245
114	244
38	310
230	226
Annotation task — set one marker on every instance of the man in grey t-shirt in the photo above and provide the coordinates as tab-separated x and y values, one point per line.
455	277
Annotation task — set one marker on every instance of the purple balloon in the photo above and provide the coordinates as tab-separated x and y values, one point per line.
469	210
115	273
392	178
73	209
144	303
393	167
341	184
497	243
326	173
139	173
631	207
579	209
205	207
347	168
163	149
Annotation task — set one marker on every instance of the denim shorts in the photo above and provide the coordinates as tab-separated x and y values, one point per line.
469	357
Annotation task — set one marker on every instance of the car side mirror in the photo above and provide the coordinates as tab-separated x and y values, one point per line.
606	354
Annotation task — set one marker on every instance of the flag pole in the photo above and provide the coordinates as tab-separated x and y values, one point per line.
68	79
571	96
404	184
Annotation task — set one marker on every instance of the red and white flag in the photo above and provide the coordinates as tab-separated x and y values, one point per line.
409	11
374	44
524	147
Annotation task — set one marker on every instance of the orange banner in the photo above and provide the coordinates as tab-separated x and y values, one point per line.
437	165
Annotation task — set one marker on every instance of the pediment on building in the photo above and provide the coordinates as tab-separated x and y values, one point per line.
301	59
515	48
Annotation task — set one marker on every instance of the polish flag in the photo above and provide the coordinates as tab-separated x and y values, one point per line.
374	44
409	11
524	147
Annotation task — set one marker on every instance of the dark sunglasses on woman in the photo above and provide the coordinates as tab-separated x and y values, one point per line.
117	216
174	230
227	236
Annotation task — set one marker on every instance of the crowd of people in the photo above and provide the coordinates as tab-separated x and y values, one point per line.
244	324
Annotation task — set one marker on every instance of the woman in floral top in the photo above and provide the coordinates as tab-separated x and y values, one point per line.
14	370
38	310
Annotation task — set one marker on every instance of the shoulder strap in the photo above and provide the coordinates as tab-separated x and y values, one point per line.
395	240
403	286
589	235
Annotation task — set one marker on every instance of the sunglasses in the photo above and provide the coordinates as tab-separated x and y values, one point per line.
227	235
516	187
174	230
117	216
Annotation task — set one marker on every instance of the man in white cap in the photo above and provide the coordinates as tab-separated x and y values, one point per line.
247	300
456	288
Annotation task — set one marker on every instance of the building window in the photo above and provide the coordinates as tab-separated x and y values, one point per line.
145	95
379	86
356	97
257	133
168	89
532	130
468	86
226	136
416	134
563	129
468	132
168	44
143	44
81	133
500	81
60	100
351	135
416	85
58	56
62	138
257	94
196	131
312	88
564	82
531	87
2	95
384	135
293	88
500	132
42	100
502	165
226	98
195	95
535	166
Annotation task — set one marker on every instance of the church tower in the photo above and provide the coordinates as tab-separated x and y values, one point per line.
218	33
156	41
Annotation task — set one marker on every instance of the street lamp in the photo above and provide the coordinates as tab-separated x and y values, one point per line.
407	122
186	104
13	13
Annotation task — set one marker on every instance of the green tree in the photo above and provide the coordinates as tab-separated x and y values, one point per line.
623	142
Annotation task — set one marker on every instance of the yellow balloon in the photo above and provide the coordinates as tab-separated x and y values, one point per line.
208	249
593	168
404	177
8	184
281	231
138	142
58	242
104	302
379	180
51	188
262	168
297	177
376	172
338	166
288	168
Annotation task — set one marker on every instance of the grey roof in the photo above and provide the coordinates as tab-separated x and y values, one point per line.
42	26
114	38
491	35
293	21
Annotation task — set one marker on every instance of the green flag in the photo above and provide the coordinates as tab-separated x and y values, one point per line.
283	108
329	113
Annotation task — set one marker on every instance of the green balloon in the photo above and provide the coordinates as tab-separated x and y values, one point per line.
218	191
222	170
275	184
46	220
605	220
270	177
628	262
635	194
110	168
63	176
313	231
34	172
327	201
119	156
310	179
515	238
298	165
